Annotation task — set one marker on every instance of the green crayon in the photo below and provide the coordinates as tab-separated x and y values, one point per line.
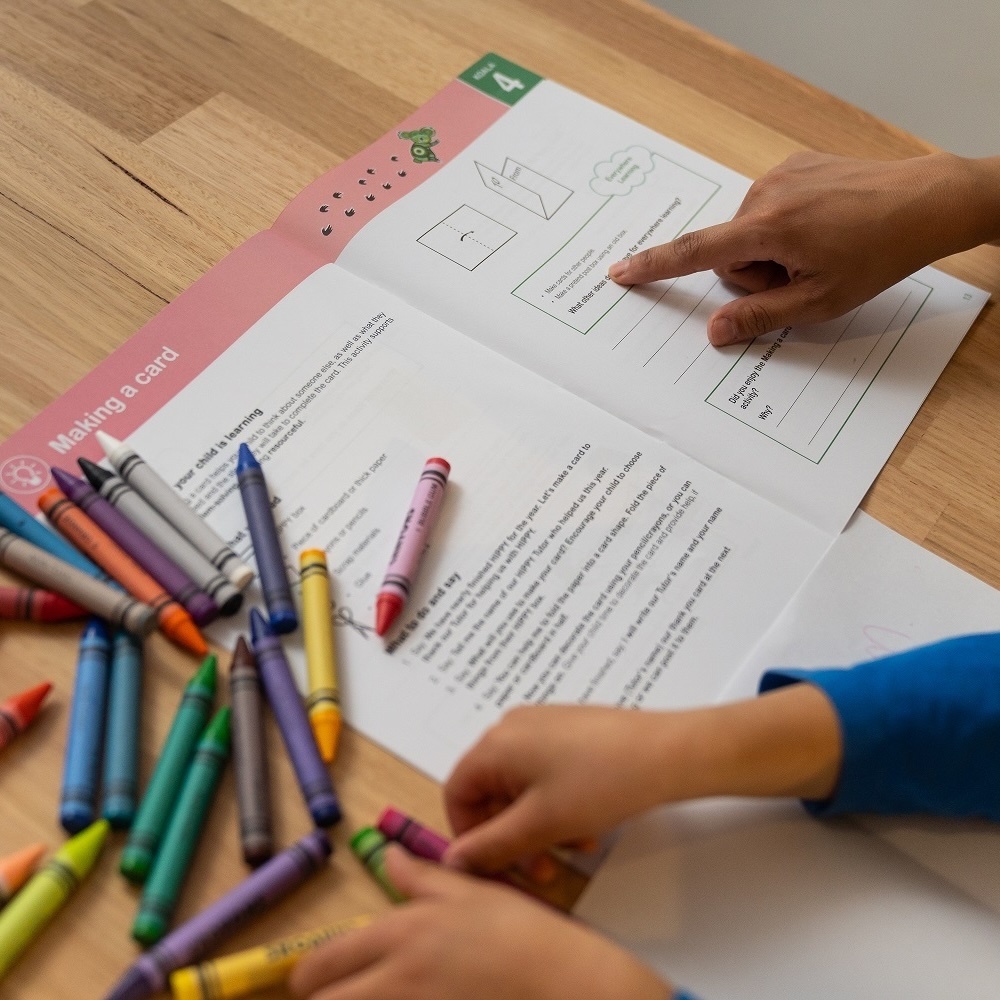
38	902
163	886
164	786
369	846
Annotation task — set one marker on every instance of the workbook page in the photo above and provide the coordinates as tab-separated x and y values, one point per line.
577	559
510	241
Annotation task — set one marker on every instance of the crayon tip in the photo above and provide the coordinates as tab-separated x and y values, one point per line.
17	868
218	728
325	810
245	459
440	461
135	864
81	851
107	442
95	629
391	822
184	632
75	816
387	609
284	621
64	480
207	672
93	473
25	705
259	627
326	729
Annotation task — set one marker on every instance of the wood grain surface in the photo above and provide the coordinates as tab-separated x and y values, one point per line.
142	140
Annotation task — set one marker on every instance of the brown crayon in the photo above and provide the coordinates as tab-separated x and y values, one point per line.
95	595
249	756
32	605
74	525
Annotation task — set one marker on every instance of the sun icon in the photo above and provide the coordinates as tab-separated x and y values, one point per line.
24	474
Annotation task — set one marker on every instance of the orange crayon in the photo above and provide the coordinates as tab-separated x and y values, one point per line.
17	868
18	710
74	525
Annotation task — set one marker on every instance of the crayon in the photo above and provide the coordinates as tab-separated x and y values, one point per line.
161	496
82	763
143	550
163	886
369	845
97	597
286	704
15	518
411	544
244	972
250	757
16	869
165	784
162	533
18	711
416	838
266	546
32	605
72	523
324	695
261	889
121	732
35	905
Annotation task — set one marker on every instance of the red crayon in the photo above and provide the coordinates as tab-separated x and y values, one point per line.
32	605
411	544
18	710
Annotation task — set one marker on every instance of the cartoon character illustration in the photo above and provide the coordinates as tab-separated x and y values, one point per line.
421	139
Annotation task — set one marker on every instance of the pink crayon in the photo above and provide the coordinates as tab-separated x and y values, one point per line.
416	838
411	544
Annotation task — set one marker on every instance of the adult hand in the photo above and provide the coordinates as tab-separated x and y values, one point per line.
819	234
460	937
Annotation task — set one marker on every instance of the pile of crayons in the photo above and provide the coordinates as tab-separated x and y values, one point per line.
130	556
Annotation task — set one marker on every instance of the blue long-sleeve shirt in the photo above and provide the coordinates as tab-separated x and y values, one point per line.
921	731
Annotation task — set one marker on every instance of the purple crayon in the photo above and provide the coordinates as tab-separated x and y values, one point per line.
266	546
153	560
417	839
286	704
264	887
411	544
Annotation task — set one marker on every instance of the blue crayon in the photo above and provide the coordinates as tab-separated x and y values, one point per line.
121	738
15	518
289	711
266	547
82	765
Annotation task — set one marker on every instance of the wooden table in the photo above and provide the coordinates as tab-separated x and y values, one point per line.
142	140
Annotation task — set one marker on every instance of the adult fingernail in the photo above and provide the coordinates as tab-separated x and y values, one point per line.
618	270
723	332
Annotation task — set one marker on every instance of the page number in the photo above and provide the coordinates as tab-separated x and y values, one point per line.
507	83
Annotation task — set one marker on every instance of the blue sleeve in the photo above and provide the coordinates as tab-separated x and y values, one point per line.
921	730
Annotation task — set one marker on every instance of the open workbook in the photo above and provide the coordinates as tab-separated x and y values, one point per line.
630	509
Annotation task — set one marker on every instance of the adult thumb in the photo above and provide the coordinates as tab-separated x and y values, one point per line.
416	878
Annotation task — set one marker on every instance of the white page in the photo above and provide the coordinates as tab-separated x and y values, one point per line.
576	559
493	246
877	593
744	899
756	901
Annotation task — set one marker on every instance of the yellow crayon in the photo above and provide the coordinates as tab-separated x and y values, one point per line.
324	695
254	969
39	901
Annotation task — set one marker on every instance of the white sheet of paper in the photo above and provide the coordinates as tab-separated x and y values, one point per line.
754	900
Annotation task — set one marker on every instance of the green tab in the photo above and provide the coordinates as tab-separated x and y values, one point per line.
498	78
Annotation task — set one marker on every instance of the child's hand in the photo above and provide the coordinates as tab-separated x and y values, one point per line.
563	775
459	937
818	235
553	775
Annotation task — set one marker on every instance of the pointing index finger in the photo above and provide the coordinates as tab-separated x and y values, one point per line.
700	250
